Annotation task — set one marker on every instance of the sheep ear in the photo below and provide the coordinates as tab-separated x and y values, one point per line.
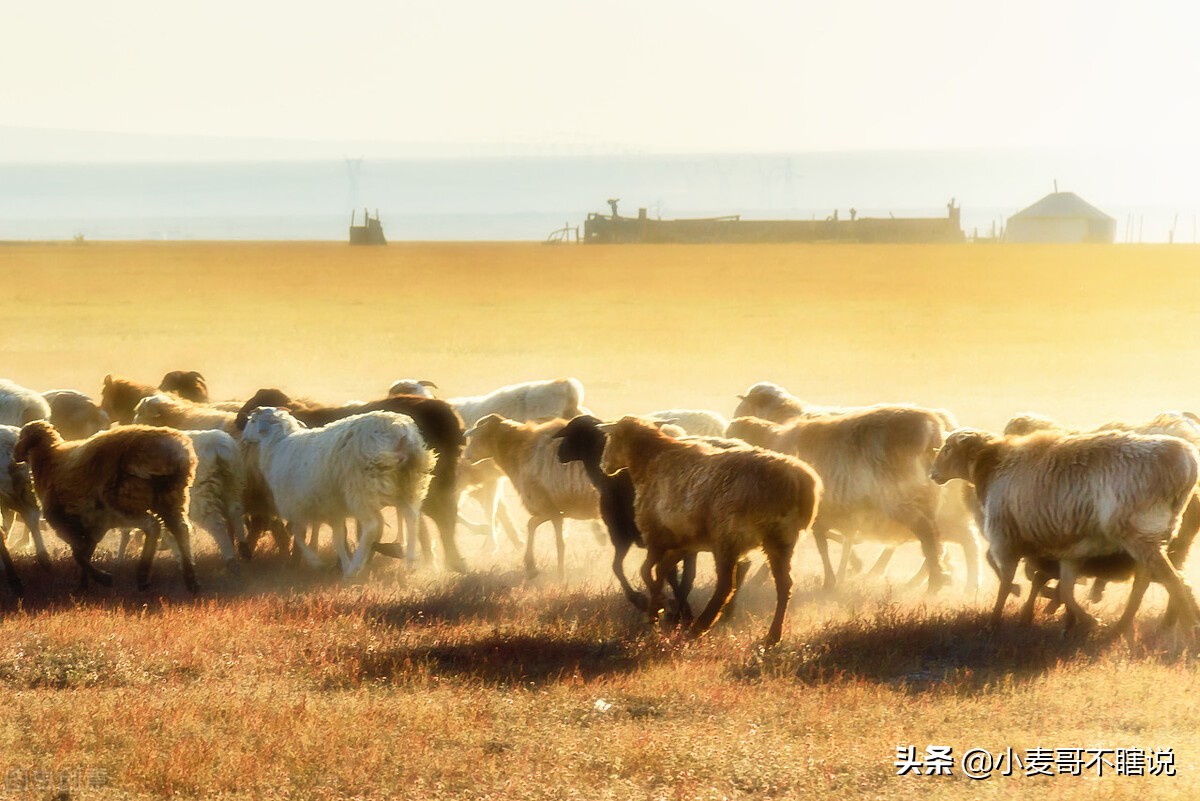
606	426
429	384
669	422
741	397
108	380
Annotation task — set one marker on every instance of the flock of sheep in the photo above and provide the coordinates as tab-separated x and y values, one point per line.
1114	504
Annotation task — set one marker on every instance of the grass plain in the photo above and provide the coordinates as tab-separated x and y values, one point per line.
421	685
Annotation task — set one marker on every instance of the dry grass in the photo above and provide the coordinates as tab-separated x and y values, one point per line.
278	684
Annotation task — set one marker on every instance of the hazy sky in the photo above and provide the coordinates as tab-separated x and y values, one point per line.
652	76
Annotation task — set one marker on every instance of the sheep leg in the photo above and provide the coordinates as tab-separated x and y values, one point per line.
561	546
339	544
7	518
739	578
221	530
653	579
970	549
181	532
618	566
1182	600
780	559
821	538
1097	593
1141	580
881	563
370	532
1037	582
681	586
844	559
300	546
1068	572
1189	524
726	565
10	570
925	528
530	528
33	528
1006	569
146	561
124	535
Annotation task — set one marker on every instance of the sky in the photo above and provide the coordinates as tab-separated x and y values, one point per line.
619	76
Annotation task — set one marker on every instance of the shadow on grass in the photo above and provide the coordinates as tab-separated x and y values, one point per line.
55	589
921	650
503	659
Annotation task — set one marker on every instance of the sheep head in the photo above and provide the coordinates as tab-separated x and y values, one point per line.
149	411
35	438
187	384
623	439
268	423
582	440
959	454
1027	423
764	400
412	386
751	430
481	438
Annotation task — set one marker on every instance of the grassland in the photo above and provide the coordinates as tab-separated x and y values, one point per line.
419	685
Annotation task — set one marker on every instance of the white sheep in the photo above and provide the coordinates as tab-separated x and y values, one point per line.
16	497
1074	498
353	467
695	422
550	490
19	405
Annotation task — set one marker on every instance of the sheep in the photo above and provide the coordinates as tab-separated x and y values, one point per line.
1177	424
1071	497
528	401
187	384
161	409
690	496
875	466
136	476
351	467
75	415
550	490
17	497
216	493
119	396
440	426
412	386
484	481
19	405
696	422
582	441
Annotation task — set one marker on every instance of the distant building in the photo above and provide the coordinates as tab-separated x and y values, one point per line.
1061	217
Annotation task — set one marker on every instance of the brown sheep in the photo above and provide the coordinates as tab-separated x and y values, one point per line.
550	490
691	496
135	476
187	384
875	466
119	396
1071	498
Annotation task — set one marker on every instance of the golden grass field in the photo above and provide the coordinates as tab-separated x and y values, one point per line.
422	685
